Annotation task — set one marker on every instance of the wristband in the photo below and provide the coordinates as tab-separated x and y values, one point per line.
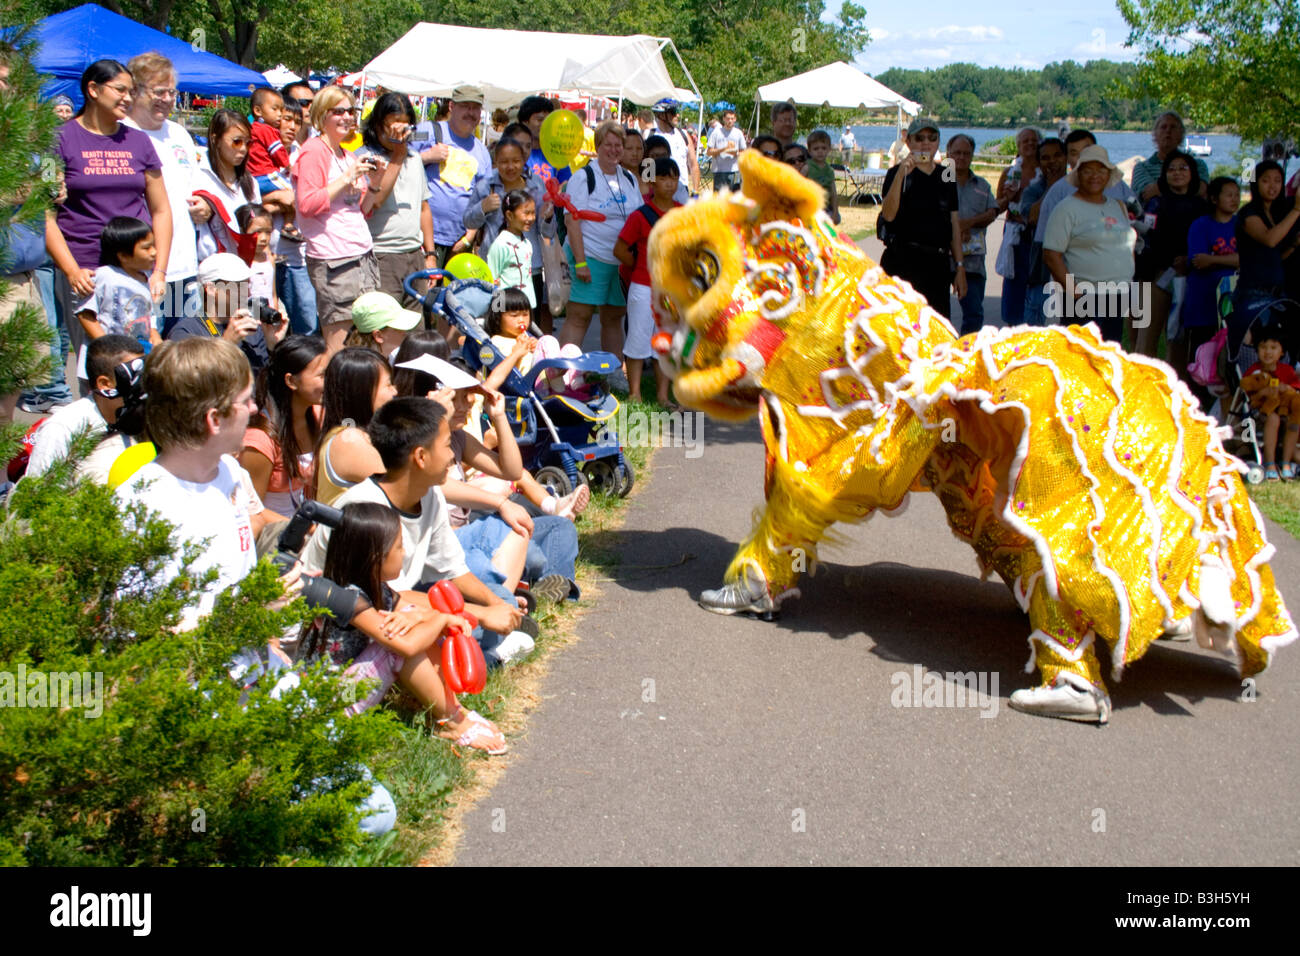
580	265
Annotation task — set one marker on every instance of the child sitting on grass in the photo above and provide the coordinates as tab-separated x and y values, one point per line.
391	637
1274	390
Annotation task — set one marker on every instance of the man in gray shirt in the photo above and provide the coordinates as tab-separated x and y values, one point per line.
976	208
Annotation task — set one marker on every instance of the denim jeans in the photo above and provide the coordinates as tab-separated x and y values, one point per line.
294	289
553	549
1035	299
972	303
47	277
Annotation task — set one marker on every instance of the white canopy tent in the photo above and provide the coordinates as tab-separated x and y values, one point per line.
280	74
432	59
837	85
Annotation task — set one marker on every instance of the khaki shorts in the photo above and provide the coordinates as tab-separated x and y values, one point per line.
396	266
338	282
24	290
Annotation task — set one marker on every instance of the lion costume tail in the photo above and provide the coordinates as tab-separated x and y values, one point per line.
1129	514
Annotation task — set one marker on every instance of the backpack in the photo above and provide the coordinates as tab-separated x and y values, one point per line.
651	216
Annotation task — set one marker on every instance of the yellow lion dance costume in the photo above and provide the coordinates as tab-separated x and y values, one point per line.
1087	478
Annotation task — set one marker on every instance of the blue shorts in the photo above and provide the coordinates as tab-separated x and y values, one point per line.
604	287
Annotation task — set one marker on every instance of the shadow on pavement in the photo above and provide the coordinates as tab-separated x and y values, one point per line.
942	620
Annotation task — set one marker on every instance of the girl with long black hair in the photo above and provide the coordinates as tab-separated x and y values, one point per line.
280	444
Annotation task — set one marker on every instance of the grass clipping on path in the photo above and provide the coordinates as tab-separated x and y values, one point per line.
433	783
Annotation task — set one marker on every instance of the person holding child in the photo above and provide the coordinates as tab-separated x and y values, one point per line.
268	158
1274	390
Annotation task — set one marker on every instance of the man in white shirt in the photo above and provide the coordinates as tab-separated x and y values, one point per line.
200	397
96	411
413	438
848	142
679	144
726	143
155	96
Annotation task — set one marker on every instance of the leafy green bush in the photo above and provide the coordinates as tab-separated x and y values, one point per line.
173	763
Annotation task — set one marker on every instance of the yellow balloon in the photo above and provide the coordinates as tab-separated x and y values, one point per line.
466	265
129	462
561	137
588	146
353	142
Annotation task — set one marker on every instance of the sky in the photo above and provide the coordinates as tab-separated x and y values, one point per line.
1020	33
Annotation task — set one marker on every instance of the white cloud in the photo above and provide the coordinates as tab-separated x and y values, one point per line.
941	53
951	33
879	33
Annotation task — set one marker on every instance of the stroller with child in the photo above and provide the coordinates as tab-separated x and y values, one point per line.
565	441
1222	362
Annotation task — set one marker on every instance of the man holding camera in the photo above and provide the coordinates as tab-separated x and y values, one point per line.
97	411
200	397
229	314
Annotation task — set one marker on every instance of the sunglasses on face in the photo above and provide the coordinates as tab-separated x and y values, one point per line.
772	155
798	160
341	111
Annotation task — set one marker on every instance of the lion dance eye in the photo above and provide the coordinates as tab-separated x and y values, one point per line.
706	271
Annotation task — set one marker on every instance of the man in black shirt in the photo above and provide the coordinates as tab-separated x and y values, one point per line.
919	216
224	279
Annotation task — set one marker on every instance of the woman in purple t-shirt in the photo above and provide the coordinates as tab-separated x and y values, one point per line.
111	170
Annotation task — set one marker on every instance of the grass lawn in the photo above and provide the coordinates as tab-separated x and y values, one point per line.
432	782
1280	502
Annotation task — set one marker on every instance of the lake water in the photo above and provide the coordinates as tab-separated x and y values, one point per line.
1120	146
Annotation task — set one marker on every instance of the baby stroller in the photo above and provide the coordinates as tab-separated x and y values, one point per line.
565	442
1234	359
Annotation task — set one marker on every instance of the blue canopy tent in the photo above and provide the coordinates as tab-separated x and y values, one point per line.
71	41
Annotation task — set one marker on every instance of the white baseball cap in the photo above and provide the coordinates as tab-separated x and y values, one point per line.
224	267
446	373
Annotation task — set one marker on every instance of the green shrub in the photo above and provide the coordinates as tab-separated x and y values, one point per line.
174	763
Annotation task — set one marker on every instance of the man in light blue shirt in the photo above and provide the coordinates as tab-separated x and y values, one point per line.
450	190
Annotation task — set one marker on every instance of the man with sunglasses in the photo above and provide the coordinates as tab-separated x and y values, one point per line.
920	215
299	94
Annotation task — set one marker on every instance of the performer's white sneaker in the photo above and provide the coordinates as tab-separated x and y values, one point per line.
739	597
1065	701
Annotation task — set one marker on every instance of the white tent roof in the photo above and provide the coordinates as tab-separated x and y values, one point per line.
838	85
433	58
280	74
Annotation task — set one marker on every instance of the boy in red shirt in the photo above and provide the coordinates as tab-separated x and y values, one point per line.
268	159
631	248
1274	390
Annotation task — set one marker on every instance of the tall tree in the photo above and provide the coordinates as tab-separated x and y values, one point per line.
1230	62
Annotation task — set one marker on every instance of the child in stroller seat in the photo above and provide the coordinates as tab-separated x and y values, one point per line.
1274	391
507	322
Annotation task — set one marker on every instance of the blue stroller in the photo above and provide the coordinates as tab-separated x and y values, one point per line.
565	442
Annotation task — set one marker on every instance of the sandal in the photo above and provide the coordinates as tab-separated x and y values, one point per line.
292	233
1270	473
479	734
574	503
1288	472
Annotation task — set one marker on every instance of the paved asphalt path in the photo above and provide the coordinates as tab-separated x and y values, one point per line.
670	735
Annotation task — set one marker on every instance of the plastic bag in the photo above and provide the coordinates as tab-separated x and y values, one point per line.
555	270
